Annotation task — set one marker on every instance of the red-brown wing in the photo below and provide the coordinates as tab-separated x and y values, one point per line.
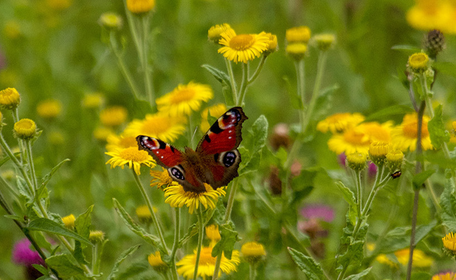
164	154
225	134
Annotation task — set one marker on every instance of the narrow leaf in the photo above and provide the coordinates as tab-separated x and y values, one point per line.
120	259
437	131
226	243
64	267
420	178
349	197
224	80
83	222
359	275
307	265
49	226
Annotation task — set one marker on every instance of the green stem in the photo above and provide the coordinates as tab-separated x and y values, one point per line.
94	258
149	205
15	115
244	83
190	131
145	61
133	30
251	272
257	70
200	241
175	243
359	193
229	68
28	145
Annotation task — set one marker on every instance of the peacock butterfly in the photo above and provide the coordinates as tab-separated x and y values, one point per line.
215	160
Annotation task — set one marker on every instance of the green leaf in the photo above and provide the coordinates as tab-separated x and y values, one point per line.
224	80
420	178
83	222
134	270
323	103
406	48
299	195
48	177
437	131
49	226
389	111
259	134
192	231
295	100
359	275
120	259
137	229
307	265
64	267
448	204
24	190
446	68
349	197
226	244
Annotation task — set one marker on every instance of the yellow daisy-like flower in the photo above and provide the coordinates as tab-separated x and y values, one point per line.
300	34
184	99
159	125
449	242
214	111
273	45
418	62
339	122
206	267
140	6
9	98
432	14
213	233
156	262
161	179
444	276
214	33
49	109
131	156
176	196
243	47
120	142
420	259
358	139
68	221
296	51
25	129
113	116
404	136
93	100
253	252
102	133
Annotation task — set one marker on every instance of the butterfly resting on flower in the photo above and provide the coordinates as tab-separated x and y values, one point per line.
215	160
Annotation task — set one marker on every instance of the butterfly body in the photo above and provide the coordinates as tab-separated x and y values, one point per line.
215	160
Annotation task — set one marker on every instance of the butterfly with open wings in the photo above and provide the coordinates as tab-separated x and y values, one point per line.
215	160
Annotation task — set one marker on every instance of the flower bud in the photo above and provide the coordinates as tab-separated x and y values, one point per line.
324	41
110	20
214	33
418	62
296	51
157	263
253	252
299	34
140	6
357	161
25	129
96	236
9	98
378	151
434	42
68	221
394	160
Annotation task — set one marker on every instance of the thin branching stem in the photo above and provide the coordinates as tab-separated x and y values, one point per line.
200	241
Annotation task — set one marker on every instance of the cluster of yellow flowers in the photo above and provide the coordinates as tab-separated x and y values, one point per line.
433	14
299	37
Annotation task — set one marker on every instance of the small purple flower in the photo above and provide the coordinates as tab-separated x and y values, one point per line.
372	170
24	255
341	158
318	211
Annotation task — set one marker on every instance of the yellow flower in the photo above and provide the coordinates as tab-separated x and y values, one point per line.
432	14
110	20
68	221
272	44
59	5
184	99
186	266
9	98
357	161
419	258
449	242
300	34
418	62
214	111
131	156
176	196
404	136
144	214
159	125
120	142
324	41
156	262
296	51
213	233
12	29
339	122
394	159
113	116
243	47
93	100
253	252
161	179
140	6
358	139
214	33
49	109
25	129
96	236
102	133
378	152
444	276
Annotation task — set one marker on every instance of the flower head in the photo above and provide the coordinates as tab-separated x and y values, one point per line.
272	46
9	98
357	161
378	152
68	221
432	14
161	179
418	62
214	111
25	129
184	99
186	266
213	233
96	236
159	125
339	122
444	276
113	116
214	33
176	196
93	100
394	159
324	41
102	133
140	6
253	252
144	214
404	136
110	20
300	34
449	242
156	262
243	47
49	109
420	259
131	156
318	211
296	51
434	43
22	254
120	142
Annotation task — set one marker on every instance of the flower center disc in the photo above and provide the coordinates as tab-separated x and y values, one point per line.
411	130
241	42
355	137
133	154
156	126
206	257
183	95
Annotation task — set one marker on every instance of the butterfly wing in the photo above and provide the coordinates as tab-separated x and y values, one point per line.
219	148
